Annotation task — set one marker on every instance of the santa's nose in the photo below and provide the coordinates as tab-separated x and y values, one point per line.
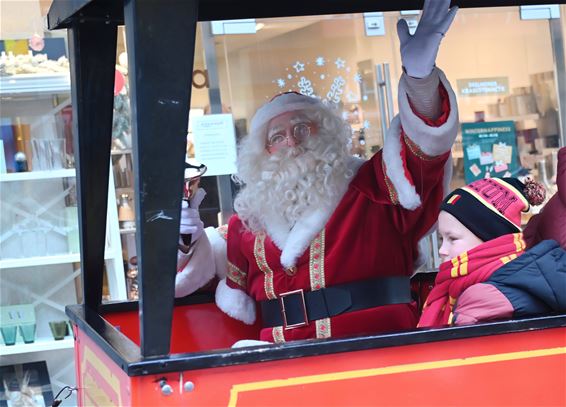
292	140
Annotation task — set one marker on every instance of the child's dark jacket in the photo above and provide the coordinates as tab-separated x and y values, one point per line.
533	284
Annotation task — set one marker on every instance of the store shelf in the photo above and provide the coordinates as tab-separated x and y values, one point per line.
121	152
40	345
37	175
40	261
531	116
34	84
127	231
44	260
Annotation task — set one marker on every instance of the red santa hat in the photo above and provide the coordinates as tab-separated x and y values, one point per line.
282	103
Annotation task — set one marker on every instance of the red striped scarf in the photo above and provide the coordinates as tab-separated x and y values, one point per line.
465	270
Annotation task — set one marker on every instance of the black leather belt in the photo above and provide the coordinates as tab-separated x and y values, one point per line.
294	309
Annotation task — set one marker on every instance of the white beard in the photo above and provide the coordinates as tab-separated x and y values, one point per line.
286	186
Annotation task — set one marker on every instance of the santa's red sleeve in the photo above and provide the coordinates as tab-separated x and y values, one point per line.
231	292
414	169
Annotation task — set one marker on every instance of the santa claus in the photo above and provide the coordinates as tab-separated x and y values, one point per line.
323	244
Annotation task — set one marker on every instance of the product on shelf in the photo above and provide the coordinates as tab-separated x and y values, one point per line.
21	162
25	384
14	318
59	329
11	64
131	279
71	220
9	334
27	331
126	214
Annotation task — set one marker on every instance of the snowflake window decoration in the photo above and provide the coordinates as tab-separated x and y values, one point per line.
299	67
305	87
337	82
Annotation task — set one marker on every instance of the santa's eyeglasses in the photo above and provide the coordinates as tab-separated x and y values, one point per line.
299	132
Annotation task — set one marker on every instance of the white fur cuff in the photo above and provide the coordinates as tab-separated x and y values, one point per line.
243	343
432	141
235	303
406	192
219	251
198	271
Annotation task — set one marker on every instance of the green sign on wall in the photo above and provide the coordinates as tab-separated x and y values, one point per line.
490	150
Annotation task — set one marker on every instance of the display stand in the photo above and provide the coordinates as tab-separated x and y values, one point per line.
156	352
39	247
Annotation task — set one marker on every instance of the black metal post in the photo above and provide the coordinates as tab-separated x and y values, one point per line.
161	41
92	47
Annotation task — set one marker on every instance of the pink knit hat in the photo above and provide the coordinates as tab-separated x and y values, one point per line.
282	103
492	207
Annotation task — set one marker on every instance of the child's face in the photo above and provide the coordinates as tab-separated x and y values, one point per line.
456	238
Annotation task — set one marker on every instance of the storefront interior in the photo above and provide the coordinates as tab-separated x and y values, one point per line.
508	71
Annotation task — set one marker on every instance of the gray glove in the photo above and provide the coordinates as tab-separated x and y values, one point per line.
418	51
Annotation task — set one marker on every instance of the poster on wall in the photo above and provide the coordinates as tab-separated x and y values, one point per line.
490	150
215	143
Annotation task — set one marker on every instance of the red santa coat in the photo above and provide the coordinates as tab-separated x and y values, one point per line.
389	205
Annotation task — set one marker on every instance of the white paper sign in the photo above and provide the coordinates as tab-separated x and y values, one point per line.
215	143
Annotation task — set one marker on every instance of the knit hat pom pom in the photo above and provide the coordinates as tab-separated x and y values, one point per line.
534	192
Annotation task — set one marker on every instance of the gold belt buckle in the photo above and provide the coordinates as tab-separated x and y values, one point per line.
284	314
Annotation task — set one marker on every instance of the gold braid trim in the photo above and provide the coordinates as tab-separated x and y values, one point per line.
323	329
317	280
259	254
316	262
390	188
416	150
236	275
278	335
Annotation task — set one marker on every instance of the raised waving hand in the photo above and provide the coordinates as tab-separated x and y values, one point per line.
418	51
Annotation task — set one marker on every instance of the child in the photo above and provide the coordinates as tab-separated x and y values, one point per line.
486	273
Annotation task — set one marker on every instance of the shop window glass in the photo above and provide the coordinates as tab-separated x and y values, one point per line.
501	69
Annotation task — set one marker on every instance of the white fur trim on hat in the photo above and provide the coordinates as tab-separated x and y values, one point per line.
432	141
235	303
283	103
